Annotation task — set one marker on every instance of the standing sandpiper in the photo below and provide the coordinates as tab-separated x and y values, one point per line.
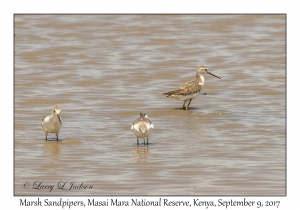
142	128
52	123
191	89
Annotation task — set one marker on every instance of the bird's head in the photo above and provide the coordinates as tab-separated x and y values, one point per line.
204	70
57	111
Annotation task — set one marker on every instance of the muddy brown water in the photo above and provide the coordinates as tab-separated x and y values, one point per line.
103	70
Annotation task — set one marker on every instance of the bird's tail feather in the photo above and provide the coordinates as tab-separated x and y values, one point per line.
168	93
143	128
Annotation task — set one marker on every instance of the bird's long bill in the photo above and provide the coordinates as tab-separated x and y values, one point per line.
214	75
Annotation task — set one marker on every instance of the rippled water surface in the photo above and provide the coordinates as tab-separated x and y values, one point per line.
103	70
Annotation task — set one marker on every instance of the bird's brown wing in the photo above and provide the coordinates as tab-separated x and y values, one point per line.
147	120
44	117
174	92
190	87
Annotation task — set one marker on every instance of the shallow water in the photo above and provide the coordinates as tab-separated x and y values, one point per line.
103	70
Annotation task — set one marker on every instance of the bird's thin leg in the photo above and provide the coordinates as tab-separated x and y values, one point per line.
56	136
187	108
147	141
183	107
137	141
46	134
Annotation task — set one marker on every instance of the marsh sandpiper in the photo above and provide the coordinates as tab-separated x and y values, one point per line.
52	123
191	89
142	128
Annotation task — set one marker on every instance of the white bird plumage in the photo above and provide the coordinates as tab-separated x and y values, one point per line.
142	127
52	123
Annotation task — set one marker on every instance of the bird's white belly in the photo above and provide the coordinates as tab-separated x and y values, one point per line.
185	97
50	126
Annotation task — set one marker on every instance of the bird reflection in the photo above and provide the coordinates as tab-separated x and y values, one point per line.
141	154
52	147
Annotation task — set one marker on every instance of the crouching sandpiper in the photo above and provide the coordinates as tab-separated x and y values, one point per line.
191	89
142	128
52	123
